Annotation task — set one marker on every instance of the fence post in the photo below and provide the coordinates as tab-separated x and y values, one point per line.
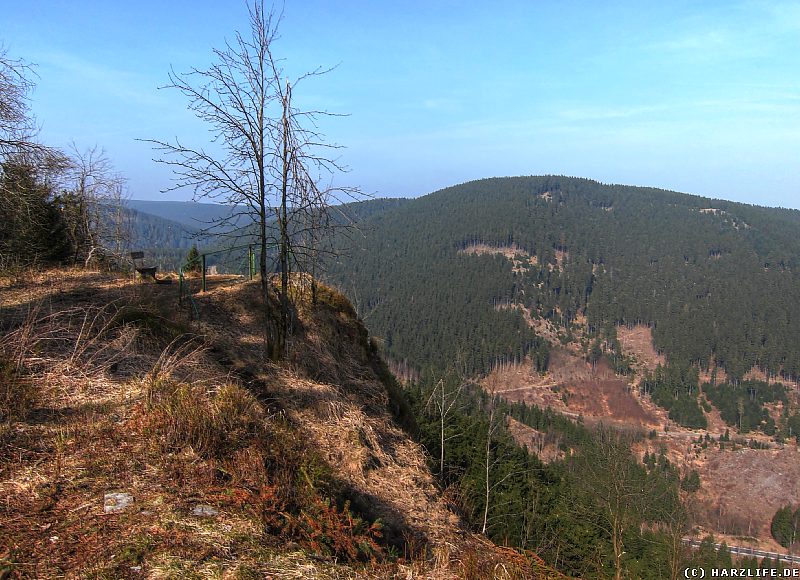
204	272
251	261
180	287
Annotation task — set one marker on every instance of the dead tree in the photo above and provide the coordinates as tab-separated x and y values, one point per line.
267	159
444	400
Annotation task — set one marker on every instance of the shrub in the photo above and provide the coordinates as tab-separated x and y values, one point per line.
337	532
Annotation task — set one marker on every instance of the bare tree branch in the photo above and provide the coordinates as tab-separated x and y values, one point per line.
266	157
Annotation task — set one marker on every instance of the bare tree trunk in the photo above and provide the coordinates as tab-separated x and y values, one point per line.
616	544
488	463
284	218
441	441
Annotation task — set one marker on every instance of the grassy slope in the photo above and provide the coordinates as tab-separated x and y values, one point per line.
298	460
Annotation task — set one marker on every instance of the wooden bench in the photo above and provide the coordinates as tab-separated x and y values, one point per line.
144	271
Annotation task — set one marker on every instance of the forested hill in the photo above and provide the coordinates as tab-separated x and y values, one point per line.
719	281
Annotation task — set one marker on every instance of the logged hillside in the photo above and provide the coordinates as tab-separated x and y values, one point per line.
136	442
457	271
651	311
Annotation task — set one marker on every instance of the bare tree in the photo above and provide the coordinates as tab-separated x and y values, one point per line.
606	474
235	96
494	426
91	201
17	126
491	430
444	399
621	495
267	157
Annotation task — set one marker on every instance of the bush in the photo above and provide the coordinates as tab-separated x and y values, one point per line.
337	532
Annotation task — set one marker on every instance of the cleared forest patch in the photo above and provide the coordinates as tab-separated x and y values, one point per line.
637	341
743	489
520	257
573	387
546	446
510	252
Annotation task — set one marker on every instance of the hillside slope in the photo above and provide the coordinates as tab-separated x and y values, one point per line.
718	281
136	442
652	311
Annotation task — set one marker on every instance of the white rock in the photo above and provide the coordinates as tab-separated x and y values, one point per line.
116	502
204	511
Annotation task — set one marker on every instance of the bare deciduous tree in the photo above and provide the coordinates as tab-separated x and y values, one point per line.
621	495
444	399
494	427
18	128
28	171
16	124
92	204
267	158
52	207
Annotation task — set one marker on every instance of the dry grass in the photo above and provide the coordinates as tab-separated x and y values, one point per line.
211	423
299	460
58	354
637	341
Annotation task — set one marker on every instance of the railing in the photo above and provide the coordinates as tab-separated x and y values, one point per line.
747	551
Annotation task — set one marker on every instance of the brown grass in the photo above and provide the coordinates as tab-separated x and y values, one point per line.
211	423
300	459
573	387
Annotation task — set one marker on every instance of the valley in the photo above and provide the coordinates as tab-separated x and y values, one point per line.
550	313
741	488
637	298
332	300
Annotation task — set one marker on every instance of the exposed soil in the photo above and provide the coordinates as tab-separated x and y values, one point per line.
575	388
520	258
741	488
546	446
637	341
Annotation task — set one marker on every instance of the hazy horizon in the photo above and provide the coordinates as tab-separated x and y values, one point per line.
702	99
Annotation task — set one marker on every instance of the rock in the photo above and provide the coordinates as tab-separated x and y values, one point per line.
116	502
204	511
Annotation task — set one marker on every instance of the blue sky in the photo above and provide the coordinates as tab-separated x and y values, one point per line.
700	97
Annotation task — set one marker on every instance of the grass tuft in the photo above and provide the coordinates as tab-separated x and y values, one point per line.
214	424
18	394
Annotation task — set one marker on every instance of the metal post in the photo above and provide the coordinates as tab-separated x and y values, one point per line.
204	272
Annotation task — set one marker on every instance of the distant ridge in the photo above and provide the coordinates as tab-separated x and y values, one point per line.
192	214
719	281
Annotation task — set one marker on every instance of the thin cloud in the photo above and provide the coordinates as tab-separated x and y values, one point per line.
695	42
94	77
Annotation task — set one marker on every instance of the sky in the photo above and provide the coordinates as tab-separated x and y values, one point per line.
698	97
